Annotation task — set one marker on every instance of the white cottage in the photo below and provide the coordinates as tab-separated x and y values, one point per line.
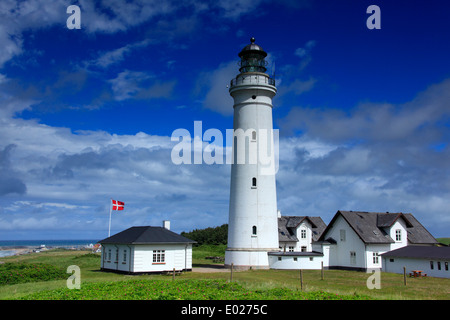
146	249
356	239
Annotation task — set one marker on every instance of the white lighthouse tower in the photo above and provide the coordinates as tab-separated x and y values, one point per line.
252	225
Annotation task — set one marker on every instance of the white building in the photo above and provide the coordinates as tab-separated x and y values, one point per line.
146	249
355	239
431	260
252	226
296	235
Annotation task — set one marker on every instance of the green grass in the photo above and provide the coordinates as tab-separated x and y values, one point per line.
199	253
444	240
181	290
346	284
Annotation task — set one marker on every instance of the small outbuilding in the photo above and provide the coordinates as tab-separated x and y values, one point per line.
428	260
146	249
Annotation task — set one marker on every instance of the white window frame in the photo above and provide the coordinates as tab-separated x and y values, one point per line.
159	256
375	258
342	235
303	233
398	235
353	258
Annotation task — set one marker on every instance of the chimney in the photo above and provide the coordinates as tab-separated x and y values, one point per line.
166	224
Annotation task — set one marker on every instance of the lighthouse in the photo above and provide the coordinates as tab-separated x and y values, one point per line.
252	224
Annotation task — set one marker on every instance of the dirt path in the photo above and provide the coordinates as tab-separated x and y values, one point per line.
210	268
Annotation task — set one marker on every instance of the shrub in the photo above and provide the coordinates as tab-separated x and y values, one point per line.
13	273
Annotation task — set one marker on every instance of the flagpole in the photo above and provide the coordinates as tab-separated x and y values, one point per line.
109	229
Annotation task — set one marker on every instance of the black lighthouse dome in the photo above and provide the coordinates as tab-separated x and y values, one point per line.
252	58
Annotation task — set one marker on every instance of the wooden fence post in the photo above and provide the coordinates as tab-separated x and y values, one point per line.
301	279
322	270
404	276
173	274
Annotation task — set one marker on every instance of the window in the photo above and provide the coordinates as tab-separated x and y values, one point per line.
352	258
303	249
342	233
279	258
291	249
124	256
446	265
253	182
303	233
311	258
254	135
254	230
398	235
109	254
391	260
295	258
159	256
117	255
439	265
375	257
431	265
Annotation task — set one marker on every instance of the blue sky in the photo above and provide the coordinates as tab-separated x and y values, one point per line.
87	115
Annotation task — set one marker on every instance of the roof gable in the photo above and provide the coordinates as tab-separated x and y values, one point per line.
286	224
146	235
369	226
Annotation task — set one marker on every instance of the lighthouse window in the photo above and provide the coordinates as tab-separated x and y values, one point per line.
254	135
254	230
253	182
253	97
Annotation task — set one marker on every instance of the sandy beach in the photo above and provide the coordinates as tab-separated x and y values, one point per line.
15	251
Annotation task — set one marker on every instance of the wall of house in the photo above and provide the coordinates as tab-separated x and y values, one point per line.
371	262
340	253
395	265
117	257
306	242
284	246
178	256
288	262
139	258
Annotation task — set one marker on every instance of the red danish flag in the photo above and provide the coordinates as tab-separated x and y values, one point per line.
117	205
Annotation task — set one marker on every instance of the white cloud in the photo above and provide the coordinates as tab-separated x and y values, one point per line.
302	52
375	157
139	85
108	58
215	83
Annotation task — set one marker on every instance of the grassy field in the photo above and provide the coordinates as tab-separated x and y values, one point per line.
444	240
267	283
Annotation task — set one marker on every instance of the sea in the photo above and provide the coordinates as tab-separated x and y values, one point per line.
8	246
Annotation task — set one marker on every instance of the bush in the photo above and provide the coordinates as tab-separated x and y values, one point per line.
13	273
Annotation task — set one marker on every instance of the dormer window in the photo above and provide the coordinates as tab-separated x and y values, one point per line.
398	235
303	233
